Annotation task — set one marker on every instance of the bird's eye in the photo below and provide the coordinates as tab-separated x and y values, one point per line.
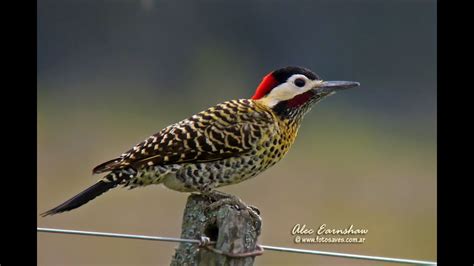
299	82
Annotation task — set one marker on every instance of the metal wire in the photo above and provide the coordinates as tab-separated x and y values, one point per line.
142	237
272	248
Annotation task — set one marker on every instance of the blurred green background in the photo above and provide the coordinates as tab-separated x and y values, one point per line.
111	73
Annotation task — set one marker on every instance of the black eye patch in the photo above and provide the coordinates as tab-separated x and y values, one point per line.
300	82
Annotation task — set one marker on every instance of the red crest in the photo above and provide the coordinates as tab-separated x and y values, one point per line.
267	84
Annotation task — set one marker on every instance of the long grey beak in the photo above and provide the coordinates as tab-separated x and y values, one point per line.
330	86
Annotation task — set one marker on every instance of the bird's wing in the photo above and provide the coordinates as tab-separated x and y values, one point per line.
223	131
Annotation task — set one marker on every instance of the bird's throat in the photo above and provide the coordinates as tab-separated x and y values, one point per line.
296	107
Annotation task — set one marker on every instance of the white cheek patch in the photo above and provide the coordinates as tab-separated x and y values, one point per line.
284	92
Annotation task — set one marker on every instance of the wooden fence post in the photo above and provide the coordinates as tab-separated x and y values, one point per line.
234	230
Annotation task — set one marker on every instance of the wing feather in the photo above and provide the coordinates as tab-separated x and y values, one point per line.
226	130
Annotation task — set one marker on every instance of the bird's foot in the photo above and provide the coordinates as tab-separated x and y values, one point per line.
215	195
220	199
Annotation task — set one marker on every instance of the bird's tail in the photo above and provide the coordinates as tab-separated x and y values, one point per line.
108	182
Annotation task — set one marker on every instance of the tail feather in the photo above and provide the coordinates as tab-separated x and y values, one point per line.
82	198
107	166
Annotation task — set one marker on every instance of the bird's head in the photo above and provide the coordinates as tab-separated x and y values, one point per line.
291	90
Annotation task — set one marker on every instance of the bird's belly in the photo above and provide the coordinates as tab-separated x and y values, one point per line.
189	177
210	175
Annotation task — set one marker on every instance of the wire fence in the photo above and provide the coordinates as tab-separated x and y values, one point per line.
265	247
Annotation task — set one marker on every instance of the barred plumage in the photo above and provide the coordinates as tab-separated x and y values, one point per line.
225	144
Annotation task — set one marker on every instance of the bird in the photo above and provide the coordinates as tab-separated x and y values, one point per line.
224	145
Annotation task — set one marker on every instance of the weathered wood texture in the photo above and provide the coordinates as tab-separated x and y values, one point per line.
235	231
